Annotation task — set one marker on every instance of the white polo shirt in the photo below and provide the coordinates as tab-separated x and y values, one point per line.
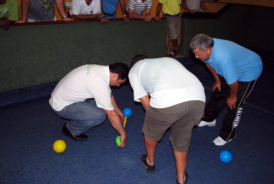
193	4
80	7
84	82
167	82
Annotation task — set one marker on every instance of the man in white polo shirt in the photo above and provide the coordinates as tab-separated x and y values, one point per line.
173	98
85	9
84	97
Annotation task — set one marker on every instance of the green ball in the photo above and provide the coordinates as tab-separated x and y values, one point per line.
118	140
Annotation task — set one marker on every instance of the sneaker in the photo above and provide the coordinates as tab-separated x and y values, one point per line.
220	142
204	123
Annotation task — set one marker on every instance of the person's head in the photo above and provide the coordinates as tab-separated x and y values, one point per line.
2	2
137	58
118	73
88	2
201	45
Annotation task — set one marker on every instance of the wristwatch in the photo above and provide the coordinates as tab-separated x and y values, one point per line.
64	16
125	15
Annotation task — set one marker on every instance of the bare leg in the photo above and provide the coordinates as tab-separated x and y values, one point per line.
202	5
169	46
181	159
175	46
185	6
150	148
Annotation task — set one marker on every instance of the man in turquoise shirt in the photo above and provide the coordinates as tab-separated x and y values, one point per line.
235	70
109	9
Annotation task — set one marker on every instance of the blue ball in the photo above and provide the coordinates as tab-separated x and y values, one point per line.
127	112
225	156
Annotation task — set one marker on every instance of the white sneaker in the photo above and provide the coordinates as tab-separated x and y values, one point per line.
204	123
220	142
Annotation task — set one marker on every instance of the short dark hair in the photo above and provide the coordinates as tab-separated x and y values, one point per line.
121	69
137	58
201	42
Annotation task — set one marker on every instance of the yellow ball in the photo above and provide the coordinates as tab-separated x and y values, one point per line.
59	146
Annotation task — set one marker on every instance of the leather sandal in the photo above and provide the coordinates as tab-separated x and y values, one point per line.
186	175
175	52
149	168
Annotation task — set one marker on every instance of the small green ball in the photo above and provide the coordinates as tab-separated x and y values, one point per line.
118	140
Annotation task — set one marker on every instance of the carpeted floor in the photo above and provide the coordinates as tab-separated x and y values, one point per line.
28	130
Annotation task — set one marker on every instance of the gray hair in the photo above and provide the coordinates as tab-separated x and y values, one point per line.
202	42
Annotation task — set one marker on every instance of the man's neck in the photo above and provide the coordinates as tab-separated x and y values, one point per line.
88	2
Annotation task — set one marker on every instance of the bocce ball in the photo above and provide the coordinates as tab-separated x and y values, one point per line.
225	156
59	146
127	112
118	140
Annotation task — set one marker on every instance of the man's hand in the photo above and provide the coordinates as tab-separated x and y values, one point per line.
232	99
126	20
148	18
231	102
157	18
123	140
122	117
145	100
21	21
68	19
5	23
115	120
104	20
217	85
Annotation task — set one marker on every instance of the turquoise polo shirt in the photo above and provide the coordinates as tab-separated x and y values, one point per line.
110	6
234	62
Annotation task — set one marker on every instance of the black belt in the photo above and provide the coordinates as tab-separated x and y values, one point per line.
172	15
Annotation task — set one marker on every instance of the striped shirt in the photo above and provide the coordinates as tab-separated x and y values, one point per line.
138	6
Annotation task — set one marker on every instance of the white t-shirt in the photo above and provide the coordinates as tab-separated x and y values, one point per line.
193	4
84	82
80	7
167	82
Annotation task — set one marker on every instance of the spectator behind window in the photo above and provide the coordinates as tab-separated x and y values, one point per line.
109	7
135	9
41	11
8	13
85	9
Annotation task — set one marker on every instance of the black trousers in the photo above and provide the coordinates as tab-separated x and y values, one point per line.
217	103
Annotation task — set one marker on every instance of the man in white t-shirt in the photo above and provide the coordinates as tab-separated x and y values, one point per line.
85	9
193	6
84	97
173	98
